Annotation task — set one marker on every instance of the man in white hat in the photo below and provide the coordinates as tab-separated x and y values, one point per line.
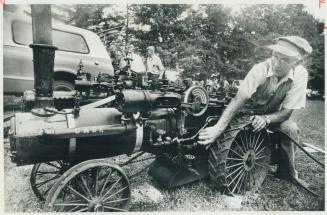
135	60
277	86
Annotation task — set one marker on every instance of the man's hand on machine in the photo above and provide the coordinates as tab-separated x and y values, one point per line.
258	122
209	135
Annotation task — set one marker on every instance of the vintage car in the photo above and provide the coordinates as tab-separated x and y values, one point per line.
74	44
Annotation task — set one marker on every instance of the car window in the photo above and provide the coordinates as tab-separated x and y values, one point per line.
69	42
65	41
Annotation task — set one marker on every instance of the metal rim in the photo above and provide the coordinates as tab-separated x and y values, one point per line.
247	161
91	186
44	176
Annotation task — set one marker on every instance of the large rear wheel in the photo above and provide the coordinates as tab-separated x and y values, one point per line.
239	161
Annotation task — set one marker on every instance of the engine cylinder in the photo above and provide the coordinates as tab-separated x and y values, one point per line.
133	101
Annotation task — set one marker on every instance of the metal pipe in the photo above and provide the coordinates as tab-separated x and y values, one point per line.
100	102
161	113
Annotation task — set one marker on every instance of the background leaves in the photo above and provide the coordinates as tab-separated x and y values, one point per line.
208	39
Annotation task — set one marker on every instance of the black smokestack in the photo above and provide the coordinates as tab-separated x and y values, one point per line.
43	59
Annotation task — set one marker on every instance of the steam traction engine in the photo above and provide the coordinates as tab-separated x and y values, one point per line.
72	143
69	147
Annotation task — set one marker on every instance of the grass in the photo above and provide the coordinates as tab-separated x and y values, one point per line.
274	194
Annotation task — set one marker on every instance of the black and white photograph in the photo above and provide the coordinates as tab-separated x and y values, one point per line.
184	107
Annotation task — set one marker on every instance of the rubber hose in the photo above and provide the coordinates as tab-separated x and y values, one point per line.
298	145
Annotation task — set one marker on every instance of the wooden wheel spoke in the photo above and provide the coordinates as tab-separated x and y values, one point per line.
76	192
45	192
45	173
74	208
117	200
82	209
78	189
61	163
46	181
84	182
73	202
242	143
116	209
112	186
79	184
96	180
69	204
51	164
124	188
105	183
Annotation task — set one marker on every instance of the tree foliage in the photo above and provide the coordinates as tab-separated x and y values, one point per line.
210	39
270	21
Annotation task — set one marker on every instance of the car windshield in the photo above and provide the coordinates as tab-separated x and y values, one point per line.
65	41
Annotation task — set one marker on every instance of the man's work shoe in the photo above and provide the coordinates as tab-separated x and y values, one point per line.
282	173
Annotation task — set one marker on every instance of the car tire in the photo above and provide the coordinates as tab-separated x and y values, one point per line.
60	85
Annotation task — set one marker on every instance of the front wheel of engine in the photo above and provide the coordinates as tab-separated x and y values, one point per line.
90	186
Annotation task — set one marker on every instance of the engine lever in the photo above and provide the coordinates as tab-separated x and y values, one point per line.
190	105
193	171
194	137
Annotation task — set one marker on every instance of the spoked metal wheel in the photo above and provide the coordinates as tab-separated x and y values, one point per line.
44	175
90	186
240	163
247	162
